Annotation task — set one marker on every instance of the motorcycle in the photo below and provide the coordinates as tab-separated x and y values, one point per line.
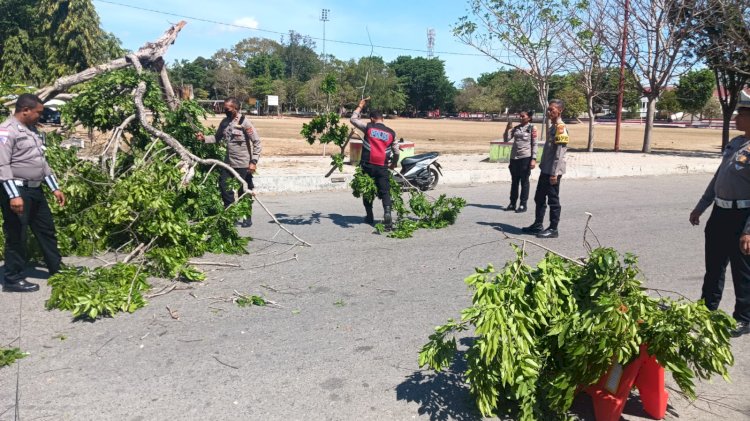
421	171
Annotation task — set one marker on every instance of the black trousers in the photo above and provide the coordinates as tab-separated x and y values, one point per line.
37	216
723	231
382	178
227	194
520	170
547	194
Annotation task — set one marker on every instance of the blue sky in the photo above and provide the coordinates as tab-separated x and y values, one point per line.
401	24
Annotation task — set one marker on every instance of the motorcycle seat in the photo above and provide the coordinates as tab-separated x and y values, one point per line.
416	158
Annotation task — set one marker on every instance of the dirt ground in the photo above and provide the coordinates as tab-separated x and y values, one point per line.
281	136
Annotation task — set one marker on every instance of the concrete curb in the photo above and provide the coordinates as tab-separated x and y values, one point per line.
298	183
305	174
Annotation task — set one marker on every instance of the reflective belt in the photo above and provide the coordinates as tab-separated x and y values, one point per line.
26	183
732	204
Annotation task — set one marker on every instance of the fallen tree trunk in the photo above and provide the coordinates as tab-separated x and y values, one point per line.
149	53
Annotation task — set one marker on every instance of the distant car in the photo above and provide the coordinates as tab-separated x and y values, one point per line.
50	116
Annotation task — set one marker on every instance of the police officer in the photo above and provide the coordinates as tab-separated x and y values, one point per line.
728	228
552	168
243	150
23	170
522	158
379	152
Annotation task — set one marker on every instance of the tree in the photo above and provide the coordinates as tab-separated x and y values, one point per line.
252	47
632	90
575	102
659	31
265	64
735	16
76	40
301	62
726	56
668	104
199	73
425	83
694	91
371	76
17	17
17	65
231	82
586	41
528	34
42	39
712	109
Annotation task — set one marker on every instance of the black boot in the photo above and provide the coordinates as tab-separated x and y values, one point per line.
511	207
247	222
548	233
521	208
369	218
534	228
387	220
743	328
20	286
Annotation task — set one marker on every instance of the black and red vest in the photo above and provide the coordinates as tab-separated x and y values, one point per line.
376	146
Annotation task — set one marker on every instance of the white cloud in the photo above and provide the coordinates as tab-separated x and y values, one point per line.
244	22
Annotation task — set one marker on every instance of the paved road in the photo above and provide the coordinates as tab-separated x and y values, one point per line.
355	310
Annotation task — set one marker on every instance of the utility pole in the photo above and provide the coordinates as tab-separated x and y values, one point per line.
621	91
324	18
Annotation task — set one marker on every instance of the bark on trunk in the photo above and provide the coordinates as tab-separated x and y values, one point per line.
651	111
726	120
590	147
166	85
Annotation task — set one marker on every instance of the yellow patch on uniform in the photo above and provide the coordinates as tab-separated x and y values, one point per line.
561	135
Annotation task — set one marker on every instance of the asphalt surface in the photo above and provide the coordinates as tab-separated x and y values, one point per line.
353	312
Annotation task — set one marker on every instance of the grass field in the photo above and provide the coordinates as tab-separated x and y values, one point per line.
281	136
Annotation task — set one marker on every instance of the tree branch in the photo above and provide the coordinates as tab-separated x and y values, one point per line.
148	53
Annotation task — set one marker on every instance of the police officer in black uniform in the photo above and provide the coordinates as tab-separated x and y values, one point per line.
728	228
23	170
379	147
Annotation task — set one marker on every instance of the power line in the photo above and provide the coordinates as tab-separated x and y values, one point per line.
233	25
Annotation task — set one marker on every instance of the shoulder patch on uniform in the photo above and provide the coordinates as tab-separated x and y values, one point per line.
4	135
561	135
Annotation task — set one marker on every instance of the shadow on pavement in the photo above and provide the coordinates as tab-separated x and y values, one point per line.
442	396
583	408
499	226
313	218
483	206
344	221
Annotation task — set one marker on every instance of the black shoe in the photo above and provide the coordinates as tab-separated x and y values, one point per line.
741	329
20	286
387	220
369	218
533	228
548	233
247	222
521	208
510	207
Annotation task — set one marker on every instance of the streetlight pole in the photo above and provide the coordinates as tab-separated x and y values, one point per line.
621	90
324	18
